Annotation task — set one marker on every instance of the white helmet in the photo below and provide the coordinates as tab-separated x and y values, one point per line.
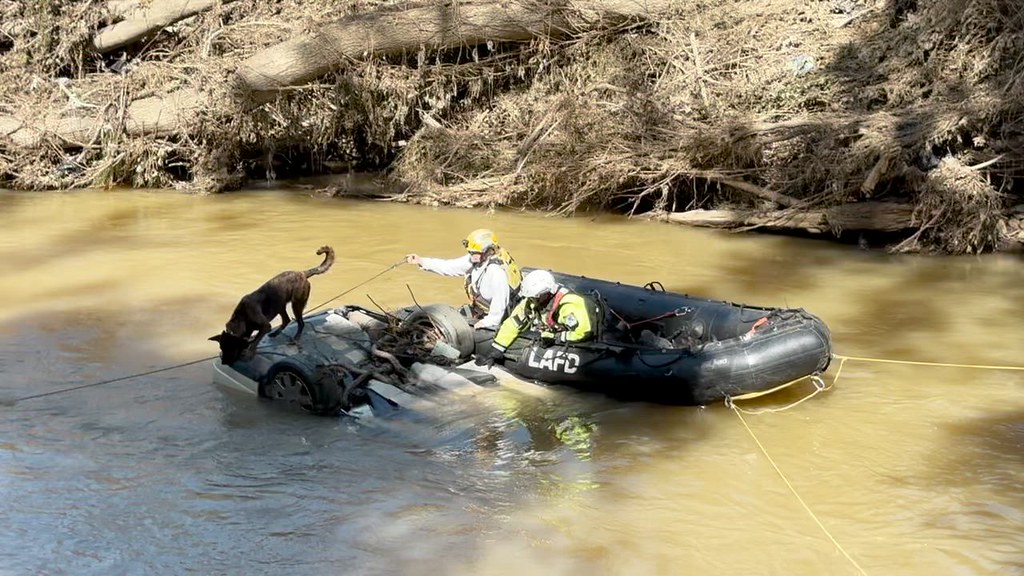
536	283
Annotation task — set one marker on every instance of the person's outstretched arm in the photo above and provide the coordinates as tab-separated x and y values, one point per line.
445	267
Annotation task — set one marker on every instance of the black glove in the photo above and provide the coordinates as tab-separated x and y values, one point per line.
488	357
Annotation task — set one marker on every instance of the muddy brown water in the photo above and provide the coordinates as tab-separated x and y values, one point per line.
909	469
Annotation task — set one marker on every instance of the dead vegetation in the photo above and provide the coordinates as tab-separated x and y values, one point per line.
836	116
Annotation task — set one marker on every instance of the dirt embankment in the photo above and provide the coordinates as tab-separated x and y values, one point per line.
896	122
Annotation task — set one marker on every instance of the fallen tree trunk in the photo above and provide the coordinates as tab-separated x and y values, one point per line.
295	62
435	27
140	24
142	117
874	216
758	191
74	131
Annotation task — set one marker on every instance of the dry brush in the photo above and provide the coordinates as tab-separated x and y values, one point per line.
839	117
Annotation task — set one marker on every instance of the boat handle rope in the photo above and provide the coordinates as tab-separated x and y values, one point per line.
13	401
819	386
681	311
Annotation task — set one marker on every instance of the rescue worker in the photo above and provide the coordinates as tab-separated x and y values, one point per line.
560	315
492	278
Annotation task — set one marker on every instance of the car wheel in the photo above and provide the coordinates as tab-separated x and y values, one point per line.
290	385
454	329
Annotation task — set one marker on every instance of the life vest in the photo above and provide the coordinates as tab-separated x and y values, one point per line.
553	312
512	272
580	305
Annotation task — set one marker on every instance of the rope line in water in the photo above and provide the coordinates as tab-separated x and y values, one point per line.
102	382
918	363
819	386
797	495
12	402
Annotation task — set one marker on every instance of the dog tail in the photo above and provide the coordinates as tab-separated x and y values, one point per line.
328	260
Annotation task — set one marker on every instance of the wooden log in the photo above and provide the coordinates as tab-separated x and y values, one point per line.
875	216
140	24
437	26
164	114
728	219
770	195
875	175
72	131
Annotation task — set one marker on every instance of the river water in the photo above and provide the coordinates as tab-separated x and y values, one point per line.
897	469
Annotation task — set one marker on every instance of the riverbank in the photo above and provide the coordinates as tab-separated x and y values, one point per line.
894	122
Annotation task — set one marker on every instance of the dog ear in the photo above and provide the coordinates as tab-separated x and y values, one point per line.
215	338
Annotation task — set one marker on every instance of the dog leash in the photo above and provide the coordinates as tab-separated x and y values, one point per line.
363	283
13	401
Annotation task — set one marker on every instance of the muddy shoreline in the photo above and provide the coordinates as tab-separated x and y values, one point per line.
893	125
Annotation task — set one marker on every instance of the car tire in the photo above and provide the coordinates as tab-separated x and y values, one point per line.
289	383
454	328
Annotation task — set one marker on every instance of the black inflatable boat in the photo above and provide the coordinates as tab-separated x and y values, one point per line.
668	347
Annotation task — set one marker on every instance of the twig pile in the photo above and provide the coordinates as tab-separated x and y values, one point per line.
764	107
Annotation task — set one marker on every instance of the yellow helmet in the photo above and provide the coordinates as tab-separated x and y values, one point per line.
480	240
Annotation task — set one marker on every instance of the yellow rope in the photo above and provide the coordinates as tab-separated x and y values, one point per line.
819	386
730	400
750	395
915	363
795	493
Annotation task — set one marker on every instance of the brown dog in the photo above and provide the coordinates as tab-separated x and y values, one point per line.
256	309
